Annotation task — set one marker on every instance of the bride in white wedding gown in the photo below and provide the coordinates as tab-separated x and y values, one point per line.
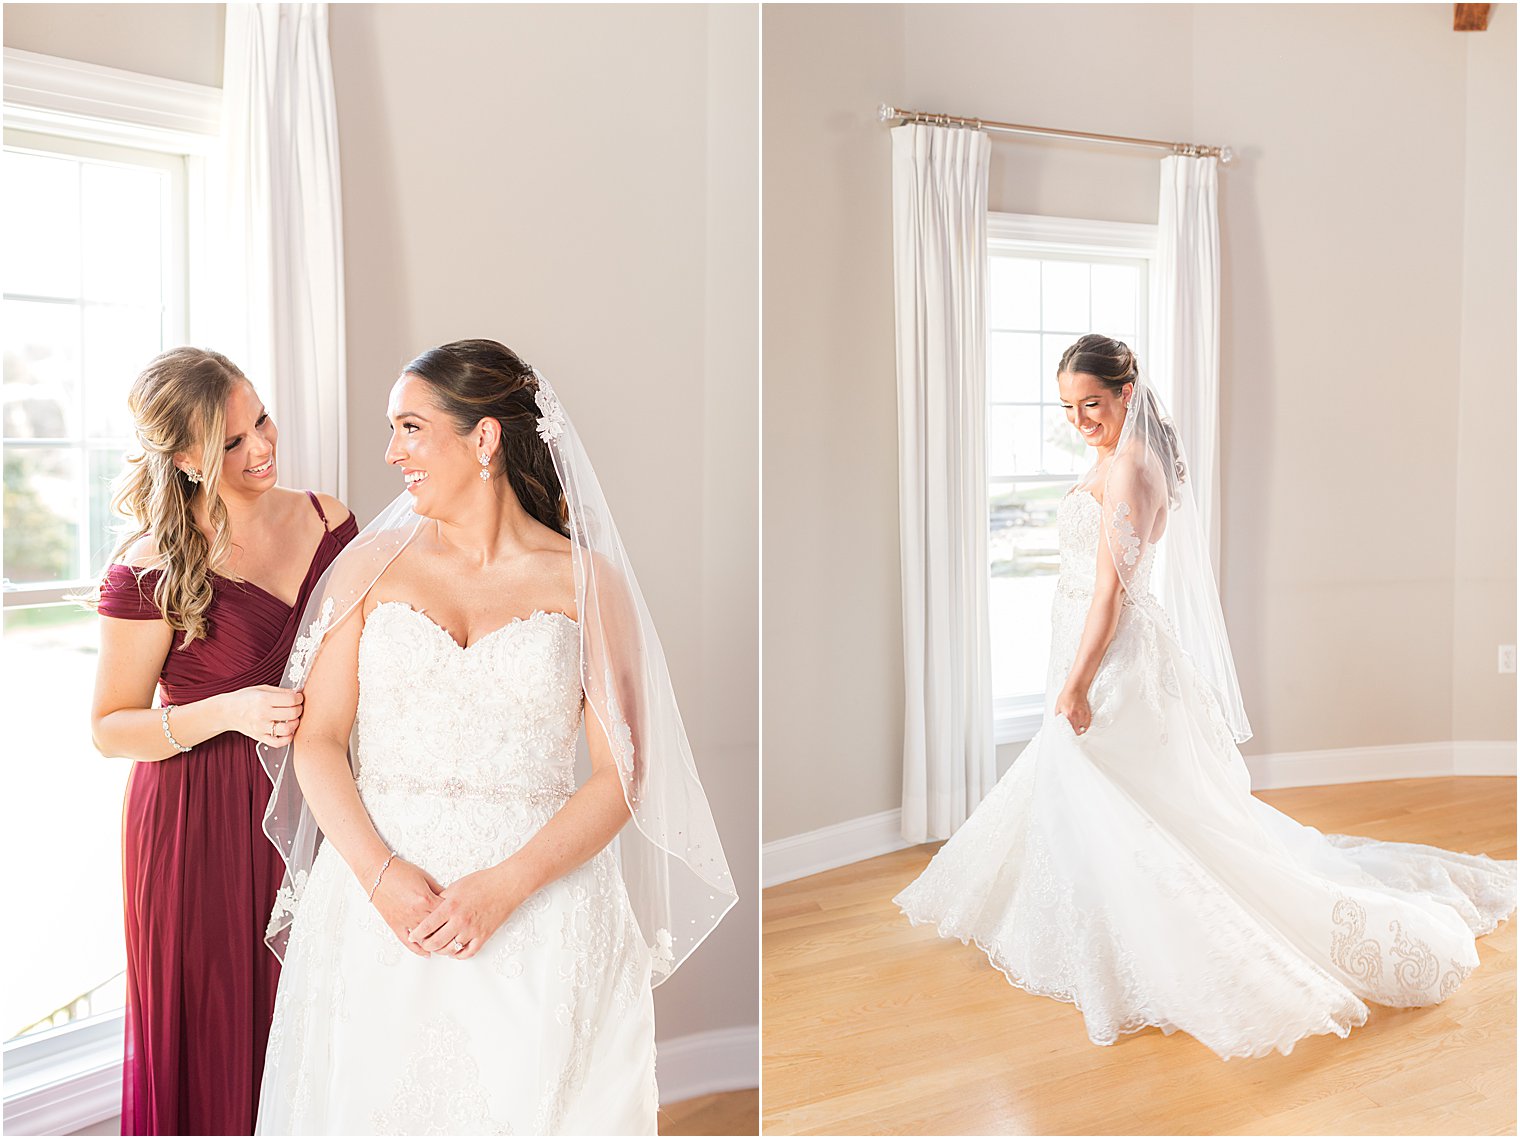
473	945
1122	863
464	754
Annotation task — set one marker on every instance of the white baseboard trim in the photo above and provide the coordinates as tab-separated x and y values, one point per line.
703	1063
1483	757
787	859
1390	761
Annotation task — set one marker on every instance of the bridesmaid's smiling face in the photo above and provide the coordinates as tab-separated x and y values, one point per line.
1093	408
437	463
248	445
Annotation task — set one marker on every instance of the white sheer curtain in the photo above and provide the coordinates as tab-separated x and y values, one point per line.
276	234
939	239
1185	308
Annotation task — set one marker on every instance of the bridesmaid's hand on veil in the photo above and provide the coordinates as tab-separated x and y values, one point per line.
1073	705
407	894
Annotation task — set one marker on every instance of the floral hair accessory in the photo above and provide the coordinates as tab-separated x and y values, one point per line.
551	420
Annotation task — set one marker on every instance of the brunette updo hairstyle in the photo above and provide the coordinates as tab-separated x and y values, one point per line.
481	379
1113	364
1110	361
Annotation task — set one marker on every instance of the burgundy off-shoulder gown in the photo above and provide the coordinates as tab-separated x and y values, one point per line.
198	874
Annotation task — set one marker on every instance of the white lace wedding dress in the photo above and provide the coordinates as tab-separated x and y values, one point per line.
1131	872
463	754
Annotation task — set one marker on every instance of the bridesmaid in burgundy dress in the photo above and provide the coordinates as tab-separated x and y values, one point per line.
201	602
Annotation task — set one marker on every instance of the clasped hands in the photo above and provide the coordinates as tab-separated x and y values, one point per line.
454	921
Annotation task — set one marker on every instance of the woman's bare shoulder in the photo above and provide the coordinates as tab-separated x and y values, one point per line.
141	554
334	510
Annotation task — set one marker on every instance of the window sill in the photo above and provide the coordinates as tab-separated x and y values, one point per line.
64	1079
1017	721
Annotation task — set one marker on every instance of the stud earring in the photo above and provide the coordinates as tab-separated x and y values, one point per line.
193	475
485	467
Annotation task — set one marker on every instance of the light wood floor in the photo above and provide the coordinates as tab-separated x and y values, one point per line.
872	1026
727	1113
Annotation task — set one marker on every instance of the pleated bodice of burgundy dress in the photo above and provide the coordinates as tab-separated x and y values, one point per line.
198	874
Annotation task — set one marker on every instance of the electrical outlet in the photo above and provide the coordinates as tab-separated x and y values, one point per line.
1506	658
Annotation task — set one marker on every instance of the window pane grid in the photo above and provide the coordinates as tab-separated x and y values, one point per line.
93	287
73	346
1040	303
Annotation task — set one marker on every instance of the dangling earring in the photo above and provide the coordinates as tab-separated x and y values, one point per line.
485	467
194	476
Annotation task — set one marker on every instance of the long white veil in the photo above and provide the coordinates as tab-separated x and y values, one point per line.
1158	543
673	866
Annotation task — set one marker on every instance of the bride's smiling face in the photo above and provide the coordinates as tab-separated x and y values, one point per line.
1095	410
437	463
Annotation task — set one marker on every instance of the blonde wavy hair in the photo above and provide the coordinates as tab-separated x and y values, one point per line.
179	406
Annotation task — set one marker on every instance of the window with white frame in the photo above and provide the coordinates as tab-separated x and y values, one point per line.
96	238
1050	280
93	289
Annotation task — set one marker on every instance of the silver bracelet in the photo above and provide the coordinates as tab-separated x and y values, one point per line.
380	875
168	735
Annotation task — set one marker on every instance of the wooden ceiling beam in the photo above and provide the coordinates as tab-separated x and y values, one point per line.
1470	17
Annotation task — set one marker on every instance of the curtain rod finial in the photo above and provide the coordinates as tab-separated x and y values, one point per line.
886	112
1226	156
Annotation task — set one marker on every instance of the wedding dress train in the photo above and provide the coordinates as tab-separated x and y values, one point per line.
1131	872
463	754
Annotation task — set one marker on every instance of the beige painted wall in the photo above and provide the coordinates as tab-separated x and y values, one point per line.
1483	702
1350	358
1340	357
176	41
832	608
1025	59
494	185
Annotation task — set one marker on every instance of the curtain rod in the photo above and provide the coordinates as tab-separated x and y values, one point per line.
887	113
